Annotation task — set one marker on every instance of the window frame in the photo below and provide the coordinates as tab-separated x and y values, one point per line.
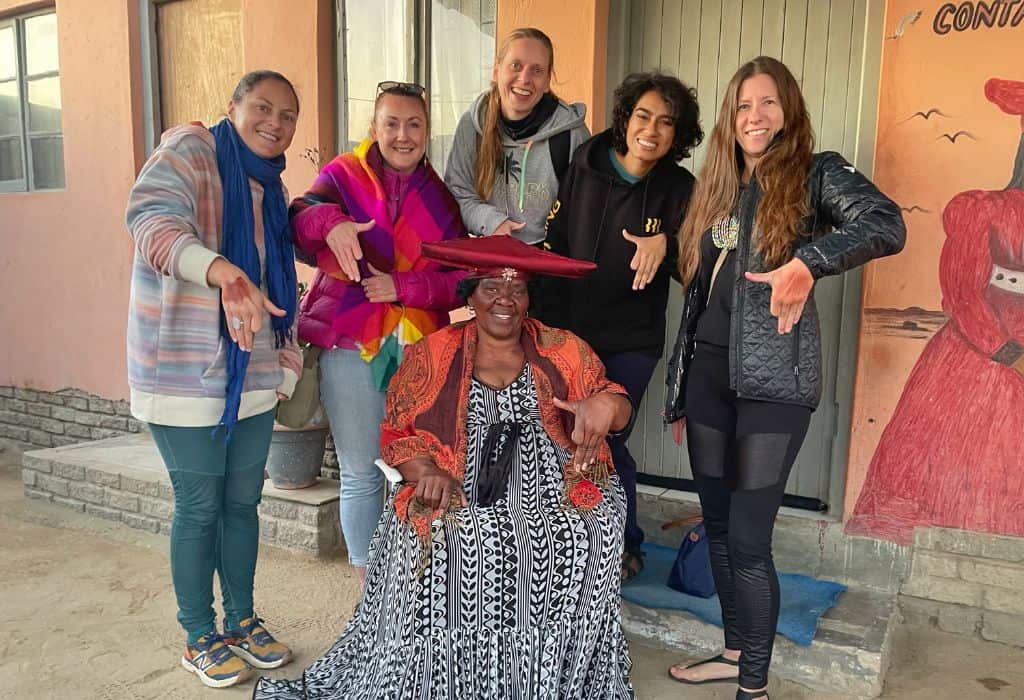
27	181
153	125
418	35
341	74
420	40
151	122
20	185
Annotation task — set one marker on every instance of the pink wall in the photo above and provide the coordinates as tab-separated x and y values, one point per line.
66	254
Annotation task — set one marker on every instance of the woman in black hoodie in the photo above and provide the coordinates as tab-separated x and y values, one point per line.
619	204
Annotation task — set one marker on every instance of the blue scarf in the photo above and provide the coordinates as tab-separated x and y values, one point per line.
236	163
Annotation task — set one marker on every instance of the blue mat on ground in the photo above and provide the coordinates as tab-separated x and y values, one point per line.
803	599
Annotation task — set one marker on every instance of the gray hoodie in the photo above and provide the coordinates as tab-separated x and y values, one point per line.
523	199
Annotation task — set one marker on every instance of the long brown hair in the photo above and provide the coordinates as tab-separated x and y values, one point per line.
781	173
489	152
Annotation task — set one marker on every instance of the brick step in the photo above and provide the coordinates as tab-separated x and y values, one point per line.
849	654
967	583
124	480
803	542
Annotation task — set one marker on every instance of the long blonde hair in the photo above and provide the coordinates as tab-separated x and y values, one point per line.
489	151
781	173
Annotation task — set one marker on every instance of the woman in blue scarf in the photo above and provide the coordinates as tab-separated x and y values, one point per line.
211	351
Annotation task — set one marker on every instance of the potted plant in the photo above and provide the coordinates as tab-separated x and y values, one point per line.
297	454
300	431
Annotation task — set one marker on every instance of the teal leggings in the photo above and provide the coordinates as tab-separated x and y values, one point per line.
217	488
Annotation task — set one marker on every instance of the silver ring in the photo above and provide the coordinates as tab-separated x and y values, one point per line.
236	323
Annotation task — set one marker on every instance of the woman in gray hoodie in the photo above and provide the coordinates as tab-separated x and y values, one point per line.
512	146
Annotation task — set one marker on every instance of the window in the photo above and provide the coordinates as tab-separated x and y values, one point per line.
31	140
445	45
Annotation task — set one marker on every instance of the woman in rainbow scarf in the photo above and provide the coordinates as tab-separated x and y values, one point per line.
361	224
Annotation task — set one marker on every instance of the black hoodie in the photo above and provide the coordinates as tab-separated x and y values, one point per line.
594	205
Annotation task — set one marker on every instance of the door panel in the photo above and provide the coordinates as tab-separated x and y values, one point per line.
199	49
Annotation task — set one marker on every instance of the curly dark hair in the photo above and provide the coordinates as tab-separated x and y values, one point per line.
465	287
681	100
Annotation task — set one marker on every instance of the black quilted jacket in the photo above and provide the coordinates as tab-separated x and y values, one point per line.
850	223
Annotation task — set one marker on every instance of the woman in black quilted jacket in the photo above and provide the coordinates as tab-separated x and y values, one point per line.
768	217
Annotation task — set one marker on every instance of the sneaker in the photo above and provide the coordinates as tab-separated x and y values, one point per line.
214	663
252	642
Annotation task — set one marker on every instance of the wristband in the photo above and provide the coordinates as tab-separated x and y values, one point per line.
1009	353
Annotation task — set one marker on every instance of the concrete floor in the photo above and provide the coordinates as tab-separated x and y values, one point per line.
87	612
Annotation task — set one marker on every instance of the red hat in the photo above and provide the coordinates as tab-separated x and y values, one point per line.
504	256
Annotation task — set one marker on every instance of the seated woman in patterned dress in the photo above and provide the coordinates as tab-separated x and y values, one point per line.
494	571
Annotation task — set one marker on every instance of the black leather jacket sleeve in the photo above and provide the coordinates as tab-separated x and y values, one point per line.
850	223
865	223
679	361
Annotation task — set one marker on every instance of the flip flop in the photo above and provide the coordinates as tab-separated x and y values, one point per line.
715	659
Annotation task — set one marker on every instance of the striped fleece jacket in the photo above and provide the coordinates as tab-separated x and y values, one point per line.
176	356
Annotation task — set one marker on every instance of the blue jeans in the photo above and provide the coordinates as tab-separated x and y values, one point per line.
633	371
217	488
355	409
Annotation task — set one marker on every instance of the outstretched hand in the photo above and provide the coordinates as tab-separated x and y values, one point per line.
343	240
243	302
791	285
650	252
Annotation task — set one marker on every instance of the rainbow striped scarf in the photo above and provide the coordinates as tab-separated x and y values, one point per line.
428	214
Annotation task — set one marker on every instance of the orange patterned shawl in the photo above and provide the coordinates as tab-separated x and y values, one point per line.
427	402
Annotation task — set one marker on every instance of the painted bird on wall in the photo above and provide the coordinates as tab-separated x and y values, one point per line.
908	19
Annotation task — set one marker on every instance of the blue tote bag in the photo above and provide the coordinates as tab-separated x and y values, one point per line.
691	572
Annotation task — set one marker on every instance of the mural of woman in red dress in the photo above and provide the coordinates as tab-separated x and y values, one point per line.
952	454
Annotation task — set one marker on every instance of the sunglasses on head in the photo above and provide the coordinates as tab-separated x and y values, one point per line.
395	87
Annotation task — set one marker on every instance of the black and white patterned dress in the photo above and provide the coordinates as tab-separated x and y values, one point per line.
520	601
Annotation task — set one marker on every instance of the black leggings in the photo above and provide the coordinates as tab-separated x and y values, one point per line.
741	452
